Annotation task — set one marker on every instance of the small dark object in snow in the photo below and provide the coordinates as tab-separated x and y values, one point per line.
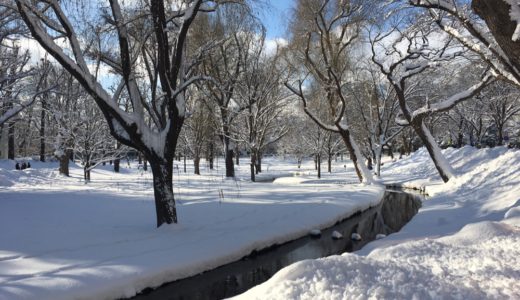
17	166
24	166
28	165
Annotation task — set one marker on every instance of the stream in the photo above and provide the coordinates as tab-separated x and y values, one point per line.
396	209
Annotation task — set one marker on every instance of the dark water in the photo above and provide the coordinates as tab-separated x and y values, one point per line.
235	278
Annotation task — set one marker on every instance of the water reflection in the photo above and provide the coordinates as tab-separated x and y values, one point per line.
232	279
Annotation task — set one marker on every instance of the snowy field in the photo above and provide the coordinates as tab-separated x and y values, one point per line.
63	239
463	244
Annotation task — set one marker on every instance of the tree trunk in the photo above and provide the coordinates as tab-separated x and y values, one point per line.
318	162
228	154
64	164
500	135
196	164
362	172
211	155
145	164
42	131
329	163
117	163
496	15
10	141
139	158
165	209
237	155
259	163
252	167
299	163
184	161
86	172
441	164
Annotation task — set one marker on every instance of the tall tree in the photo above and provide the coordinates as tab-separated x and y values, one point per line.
324	33
145	47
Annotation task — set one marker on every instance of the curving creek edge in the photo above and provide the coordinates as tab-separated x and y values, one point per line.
396	209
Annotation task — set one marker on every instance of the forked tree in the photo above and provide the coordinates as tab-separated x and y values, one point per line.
402	54
144	45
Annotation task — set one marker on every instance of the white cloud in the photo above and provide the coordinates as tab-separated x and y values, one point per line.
271	45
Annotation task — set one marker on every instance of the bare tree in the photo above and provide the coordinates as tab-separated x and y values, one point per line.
323	34
234	29
261	93
401	56
150	60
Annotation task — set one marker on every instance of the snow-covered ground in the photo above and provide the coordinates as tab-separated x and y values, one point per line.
63	239
463	244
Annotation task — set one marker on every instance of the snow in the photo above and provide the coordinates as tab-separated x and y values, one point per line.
356	237
336	235
63	239
463	243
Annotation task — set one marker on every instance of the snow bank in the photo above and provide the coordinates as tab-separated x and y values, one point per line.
464	242
63	239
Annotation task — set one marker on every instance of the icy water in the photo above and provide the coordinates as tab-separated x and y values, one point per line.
390	216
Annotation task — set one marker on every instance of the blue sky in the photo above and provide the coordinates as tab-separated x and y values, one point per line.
275	17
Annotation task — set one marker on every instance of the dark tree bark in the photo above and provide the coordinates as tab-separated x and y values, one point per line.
230	166
259	163
184	159
496	15
237	154
196	165
42	130
252	166
318	163
211	154
10	140
345	135
117	163
162	171
64	165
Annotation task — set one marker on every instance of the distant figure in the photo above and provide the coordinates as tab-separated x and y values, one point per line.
17	166
28	165
24	166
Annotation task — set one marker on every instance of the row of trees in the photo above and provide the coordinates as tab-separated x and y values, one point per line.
195	77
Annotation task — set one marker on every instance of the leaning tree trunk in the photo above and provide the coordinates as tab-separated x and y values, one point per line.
441	164
162	170
362	172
